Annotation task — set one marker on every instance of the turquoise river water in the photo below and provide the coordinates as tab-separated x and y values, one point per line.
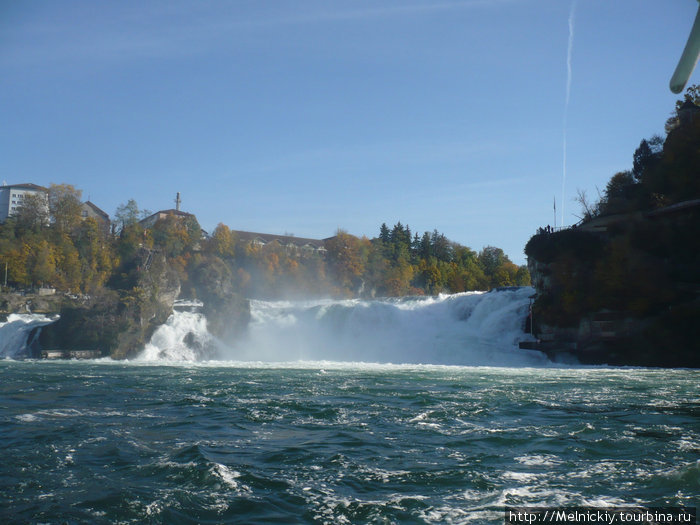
322	442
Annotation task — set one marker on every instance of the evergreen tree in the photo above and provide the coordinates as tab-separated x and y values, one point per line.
646	156
415	245
397	233
425	249
384	234
440	246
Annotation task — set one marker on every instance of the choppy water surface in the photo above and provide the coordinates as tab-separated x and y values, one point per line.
330	443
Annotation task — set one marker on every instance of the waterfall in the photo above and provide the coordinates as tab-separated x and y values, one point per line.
472	328
183	337
15	332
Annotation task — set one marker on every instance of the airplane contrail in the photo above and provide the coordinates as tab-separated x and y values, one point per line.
566	103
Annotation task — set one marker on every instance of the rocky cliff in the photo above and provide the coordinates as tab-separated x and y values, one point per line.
623	286
118	322
227	312
621	290
34	303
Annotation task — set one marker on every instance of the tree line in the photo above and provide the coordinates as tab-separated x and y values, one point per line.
664	169
74	254
395	263
54	245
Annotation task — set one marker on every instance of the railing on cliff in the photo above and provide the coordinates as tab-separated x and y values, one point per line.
554	229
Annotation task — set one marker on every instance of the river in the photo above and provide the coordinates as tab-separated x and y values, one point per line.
317	429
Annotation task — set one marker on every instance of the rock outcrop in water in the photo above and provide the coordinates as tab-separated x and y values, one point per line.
118	322
113	291
625	296
226	311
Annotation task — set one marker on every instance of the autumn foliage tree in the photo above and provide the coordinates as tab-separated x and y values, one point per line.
53	245
49	243
346	256
65	207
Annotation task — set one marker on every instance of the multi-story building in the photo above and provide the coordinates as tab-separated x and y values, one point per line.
13	196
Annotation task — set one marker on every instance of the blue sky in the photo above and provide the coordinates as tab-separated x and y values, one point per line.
307	116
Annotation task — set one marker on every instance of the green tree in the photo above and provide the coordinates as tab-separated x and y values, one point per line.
619	193
399	247
397	281
676	176
522	276
490	258
126	215
425	249
498	268
384	234
429	277
440	246
33	213
646	156
175	235
131	238
692	94
376	267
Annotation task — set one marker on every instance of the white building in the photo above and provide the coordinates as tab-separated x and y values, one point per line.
12	197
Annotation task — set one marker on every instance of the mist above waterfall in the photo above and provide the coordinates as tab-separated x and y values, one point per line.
471	328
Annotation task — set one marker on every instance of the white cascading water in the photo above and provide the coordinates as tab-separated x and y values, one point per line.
462	329
184	337
14	333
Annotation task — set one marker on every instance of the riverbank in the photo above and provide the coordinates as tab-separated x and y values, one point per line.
22	302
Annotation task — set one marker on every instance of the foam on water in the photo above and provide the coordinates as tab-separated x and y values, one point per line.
472	328
337	442
184	337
